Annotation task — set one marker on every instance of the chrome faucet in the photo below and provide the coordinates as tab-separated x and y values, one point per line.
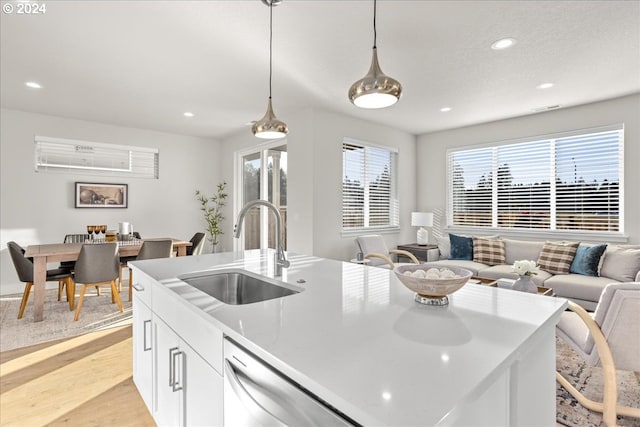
280	259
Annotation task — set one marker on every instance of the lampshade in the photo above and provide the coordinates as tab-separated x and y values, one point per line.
422	219
376	89
269	127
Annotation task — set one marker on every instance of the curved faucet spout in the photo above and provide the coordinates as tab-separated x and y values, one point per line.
280	259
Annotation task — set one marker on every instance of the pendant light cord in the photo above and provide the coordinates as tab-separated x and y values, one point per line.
374	24
270	44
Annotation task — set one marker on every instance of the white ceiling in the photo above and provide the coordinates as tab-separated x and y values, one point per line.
143	63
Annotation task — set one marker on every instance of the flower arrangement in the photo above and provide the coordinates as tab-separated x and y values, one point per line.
524	267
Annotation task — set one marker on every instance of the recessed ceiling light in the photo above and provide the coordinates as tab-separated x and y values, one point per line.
503	44
445	109
33	85
188	114
544	86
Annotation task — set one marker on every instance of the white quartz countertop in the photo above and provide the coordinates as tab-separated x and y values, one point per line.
355	337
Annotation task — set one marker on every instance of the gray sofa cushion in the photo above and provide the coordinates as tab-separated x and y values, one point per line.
621	262
578	286
517	250
505	271
469	265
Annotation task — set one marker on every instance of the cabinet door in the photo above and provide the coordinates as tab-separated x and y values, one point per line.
203	388
143	351
168	375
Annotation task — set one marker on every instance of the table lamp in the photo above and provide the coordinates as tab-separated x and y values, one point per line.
422	219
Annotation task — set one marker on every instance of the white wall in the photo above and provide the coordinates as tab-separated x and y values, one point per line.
314	182
431	149
39	207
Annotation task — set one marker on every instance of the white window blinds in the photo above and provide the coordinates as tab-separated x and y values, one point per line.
369	197
94	158
571	182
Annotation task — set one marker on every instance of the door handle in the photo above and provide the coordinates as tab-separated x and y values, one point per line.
171	366
144	335
262	415
178	375
138	287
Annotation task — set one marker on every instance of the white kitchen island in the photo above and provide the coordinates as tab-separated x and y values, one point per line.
355	338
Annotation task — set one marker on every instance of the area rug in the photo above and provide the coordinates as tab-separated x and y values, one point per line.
97	313
589	381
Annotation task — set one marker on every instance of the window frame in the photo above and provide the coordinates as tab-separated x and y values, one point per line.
612	236
394	204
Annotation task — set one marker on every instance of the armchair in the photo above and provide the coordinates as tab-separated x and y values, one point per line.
610	338
375	249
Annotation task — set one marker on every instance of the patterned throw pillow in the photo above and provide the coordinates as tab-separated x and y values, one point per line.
488	251
556	258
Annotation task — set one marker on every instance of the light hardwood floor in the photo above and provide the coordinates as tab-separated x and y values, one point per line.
81	381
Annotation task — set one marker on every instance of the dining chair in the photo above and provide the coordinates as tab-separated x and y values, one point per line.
97	265
610	337
72	238
152	249
374	248
197	244
24	268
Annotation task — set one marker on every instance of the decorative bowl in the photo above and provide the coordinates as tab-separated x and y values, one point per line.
432	291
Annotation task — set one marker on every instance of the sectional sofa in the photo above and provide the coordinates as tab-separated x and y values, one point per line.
577	271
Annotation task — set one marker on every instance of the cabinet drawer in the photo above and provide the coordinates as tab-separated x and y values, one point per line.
196	331
142	285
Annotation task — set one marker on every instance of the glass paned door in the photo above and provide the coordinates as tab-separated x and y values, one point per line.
264	176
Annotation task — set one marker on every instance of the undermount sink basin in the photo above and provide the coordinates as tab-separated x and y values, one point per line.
237	287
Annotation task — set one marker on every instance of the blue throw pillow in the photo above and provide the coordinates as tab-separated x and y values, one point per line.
587	260
461	247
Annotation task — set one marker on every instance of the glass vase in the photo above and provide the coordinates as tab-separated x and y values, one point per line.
525	284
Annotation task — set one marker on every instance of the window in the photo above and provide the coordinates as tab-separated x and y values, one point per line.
572	182
94	158
369	199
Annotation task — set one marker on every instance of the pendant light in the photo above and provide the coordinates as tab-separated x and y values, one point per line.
269	127
375	90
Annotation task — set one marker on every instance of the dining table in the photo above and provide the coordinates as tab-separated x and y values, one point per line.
58	252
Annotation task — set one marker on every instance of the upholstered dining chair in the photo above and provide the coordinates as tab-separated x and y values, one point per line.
197	244
72	238
374	248
97	265
609	337
152	249
24	268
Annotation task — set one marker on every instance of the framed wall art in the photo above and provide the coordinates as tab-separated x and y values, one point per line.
100	195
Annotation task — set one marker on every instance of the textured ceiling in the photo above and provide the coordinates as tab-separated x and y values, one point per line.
143	63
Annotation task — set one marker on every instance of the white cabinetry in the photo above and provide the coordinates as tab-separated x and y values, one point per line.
143	350
177	355
189	390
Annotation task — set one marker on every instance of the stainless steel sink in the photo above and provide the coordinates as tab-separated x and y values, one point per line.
237	287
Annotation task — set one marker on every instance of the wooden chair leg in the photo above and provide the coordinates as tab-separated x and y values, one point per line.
114	292
120	277
25	298
82	290
130	282
60	286
98	290
71	291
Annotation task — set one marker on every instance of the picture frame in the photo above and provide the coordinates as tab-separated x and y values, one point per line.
101	195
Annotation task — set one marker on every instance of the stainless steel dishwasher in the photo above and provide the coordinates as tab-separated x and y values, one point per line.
255	394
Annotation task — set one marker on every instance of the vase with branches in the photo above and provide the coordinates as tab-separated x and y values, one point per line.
211	208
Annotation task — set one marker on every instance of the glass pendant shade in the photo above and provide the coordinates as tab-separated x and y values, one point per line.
376	89
269	127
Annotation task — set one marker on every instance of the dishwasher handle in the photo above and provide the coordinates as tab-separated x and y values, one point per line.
258	411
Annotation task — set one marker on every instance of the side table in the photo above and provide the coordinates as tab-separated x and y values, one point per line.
419	251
